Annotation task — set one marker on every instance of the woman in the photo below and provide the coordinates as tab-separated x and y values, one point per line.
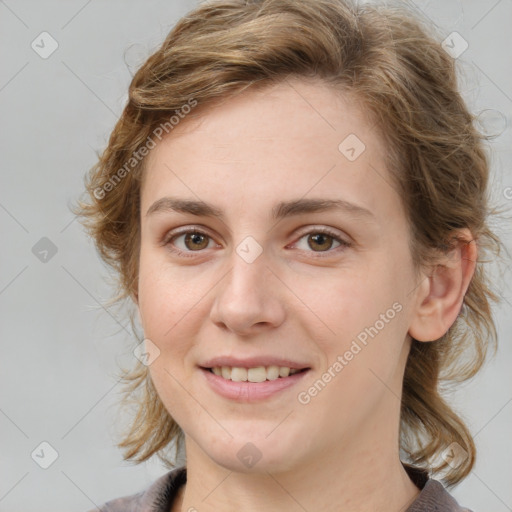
295	201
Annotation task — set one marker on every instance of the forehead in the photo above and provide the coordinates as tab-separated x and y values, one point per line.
294	138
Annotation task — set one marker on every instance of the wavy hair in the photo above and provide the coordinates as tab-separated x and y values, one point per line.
391	60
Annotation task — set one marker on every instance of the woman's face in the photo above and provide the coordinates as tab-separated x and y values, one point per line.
296	260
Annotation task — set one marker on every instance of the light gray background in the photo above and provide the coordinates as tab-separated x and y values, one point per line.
60	348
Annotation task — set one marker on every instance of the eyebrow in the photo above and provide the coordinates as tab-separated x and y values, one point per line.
280	211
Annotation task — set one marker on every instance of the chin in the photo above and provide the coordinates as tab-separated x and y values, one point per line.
255	454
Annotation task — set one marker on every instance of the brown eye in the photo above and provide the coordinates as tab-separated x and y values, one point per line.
188	241
320	241
196	241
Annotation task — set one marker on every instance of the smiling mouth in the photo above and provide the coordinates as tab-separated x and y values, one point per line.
256	374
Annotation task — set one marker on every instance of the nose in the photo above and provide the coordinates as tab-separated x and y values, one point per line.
249	299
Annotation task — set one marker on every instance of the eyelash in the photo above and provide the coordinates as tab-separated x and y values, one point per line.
318	254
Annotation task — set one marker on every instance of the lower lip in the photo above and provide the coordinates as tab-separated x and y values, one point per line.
250	391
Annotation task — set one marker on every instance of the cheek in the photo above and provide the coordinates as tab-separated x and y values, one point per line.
348	298
363	314
165	299
163	289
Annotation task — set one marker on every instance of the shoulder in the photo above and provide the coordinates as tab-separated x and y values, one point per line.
157	497
433	496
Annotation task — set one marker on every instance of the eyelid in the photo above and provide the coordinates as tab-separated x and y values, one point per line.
183	231
323	229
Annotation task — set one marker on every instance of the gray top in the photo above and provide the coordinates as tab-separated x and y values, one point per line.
159	496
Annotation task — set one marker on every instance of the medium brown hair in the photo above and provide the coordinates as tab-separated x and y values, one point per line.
391	60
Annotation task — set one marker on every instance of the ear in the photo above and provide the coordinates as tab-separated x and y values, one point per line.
440	295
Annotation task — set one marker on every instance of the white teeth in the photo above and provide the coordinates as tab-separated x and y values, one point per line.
238	374
284	371
257	374
272	372
226	372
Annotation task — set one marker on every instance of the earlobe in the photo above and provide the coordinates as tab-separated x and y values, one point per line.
440	298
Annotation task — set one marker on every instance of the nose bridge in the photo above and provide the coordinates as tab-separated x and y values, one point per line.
247	296
248	278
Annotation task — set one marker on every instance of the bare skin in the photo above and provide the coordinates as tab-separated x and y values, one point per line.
305	298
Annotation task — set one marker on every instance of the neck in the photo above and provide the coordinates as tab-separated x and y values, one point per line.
365	474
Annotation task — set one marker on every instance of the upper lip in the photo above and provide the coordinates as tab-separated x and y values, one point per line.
252	362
